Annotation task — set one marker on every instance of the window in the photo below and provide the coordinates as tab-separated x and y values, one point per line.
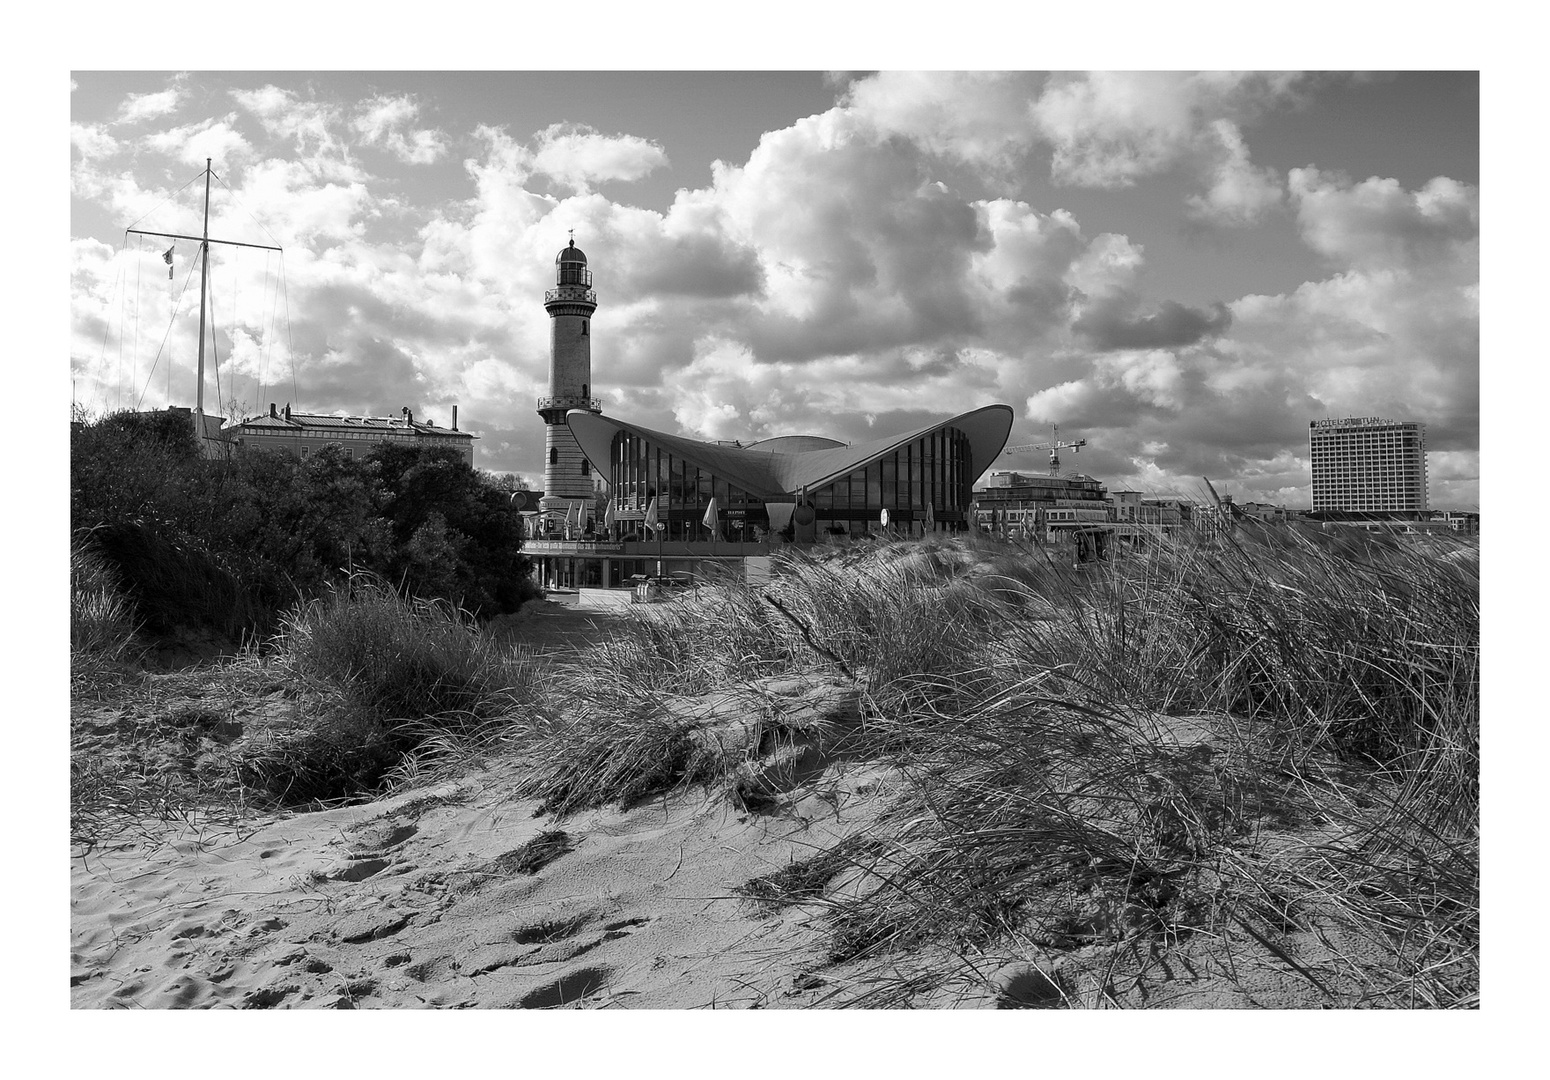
554	455
583	334
583	389
586	467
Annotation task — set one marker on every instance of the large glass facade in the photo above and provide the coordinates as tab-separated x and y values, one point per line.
934	468
641	472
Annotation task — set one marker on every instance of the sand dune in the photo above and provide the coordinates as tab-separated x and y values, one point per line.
424	900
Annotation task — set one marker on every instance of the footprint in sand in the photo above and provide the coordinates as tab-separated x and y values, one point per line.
360	871
623	928
377	838
568	989
548	930
268	997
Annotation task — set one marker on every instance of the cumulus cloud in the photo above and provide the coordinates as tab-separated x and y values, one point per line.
1109	129
388	122
579	157
316	126
92	141
140	107
191	144
980	117
1240	193
1376	223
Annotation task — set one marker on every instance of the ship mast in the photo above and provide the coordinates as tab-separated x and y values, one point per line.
204	278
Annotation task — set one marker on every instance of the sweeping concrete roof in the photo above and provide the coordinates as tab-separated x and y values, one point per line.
772	472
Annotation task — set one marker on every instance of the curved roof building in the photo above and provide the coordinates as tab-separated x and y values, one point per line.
759	487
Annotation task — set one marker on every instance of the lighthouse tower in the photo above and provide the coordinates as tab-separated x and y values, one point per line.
567	474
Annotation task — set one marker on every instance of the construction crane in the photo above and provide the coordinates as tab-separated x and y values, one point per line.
1054	446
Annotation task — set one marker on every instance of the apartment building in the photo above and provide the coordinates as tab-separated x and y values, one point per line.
1365	463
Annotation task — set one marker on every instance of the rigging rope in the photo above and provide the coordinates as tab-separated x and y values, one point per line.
236	317
245	210
289	345
164	202
139	256
263	363
118	379
214	352
150	374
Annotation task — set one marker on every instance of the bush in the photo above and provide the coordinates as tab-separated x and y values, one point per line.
227	545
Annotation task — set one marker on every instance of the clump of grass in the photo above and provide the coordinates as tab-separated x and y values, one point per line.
400	658
534	855
400	682
103	623
806	879
598	755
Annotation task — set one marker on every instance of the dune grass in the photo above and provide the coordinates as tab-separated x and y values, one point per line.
396	681
103	621
1230	741
1208	745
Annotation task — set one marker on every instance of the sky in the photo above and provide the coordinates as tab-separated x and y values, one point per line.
1181	269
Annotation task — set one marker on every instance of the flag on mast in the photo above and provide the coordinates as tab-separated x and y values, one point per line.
710	521
166	257
651	514
608	515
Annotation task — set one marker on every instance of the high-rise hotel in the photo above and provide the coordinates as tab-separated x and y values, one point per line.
1366	463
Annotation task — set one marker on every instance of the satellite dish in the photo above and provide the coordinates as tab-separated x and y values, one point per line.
518	500
883	517
804	515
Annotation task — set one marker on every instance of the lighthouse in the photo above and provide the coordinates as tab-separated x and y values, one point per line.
570	304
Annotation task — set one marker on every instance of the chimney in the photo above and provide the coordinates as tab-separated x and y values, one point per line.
273	412
408	417
287	412
454	418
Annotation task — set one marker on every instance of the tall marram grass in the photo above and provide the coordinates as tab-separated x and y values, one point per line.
396	677
103	622
1092	751
399	657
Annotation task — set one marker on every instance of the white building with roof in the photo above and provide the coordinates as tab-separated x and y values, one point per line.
302	434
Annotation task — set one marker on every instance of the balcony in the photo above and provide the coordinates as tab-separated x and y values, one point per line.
572	293
570	401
